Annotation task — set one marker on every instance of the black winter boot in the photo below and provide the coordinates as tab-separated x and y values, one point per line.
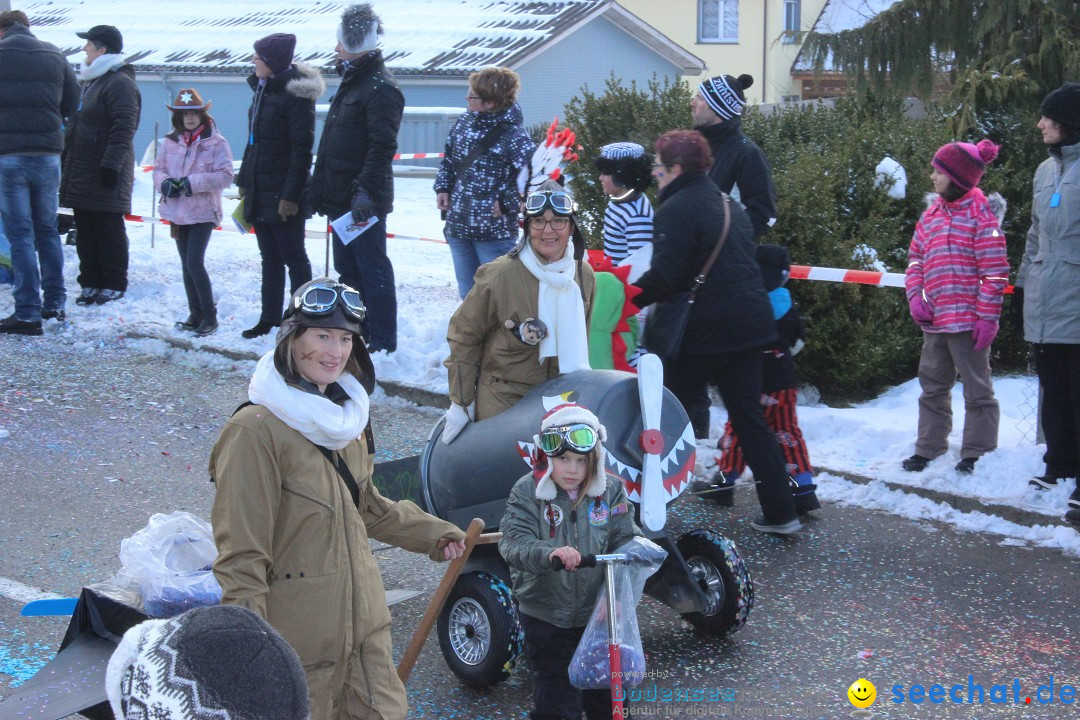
208	325
804	493
190	324
261	328
915	463
720	490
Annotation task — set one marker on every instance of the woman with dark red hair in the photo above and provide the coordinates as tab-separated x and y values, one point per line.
731	320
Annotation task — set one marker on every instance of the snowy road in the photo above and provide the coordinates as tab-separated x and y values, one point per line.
100	438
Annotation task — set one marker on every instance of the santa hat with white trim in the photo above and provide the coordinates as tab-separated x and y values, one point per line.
562	416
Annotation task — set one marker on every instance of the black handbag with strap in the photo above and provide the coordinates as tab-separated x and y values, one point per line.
666	323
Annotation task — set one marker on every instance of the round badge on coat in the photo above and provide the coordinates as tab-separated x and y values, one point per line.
598	513
554	515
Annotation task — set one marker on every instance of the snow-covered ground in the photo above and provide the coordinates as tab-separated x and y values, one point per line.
869	439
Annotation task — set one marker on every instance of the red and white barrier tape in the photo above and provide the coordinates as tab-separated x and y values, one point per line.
861	277
798	272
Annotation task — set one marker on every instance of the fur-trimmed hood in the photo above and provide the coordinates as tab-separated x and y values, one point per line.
308	83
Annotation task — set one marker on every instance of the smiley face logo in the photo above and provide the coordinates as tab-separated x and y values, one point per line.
862	693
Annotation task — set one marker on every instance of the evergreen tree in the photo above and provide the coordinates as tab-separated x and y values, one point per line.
988	54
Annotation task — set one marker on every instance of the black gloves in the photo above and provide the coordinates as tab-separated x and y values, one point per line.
362	206
109	177
171	187
1016	309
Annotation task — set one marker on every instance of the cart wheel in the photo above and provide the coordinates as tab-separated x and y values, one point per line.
717	566
479	630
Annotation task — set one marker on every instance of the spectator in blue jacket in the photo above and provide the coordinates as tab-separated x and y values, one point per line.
476	187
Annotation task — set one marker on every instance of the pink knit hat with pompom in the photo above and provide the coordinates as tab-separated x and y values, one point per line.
965	163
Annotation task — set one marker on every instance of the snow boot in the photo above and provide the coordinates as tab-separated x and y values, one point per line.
720	490
915	463
804	493
966	466
190	324
261	328
208	325
1044	482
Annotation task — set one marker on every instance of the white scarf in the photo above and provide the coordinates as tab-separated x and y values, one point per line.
561	309
316	417
101	65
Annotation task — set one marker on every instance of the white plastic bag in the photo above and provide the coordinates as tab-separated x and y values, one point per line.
590	668
169	561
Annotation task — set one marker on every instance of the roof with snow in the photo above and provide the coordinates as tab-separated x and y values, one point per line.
837	16
421	37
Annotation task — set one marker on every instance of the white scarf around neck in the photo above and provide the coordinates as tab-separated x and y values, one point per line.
101	65
316	417
561	308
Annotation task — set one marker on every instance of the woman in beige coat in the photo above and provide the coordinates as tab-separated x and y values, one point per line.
525	319
295	507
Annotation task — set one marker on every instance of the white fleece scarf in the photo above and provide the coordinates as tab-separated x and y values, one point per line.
101	65
561	308
316	417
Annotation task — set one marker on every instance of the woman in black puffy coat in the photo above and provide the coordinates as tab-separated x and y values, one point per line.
274	174
731	320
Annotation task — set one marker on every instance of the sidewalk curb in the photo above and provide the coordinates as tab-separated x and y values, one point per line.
963	503
413	394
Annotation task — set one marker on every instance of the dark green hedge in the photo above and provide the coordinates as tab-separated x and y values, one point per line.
831	214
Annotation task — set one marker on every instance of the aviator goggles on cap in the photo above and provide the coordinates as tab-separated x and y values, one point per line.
579	438
320	299
560	203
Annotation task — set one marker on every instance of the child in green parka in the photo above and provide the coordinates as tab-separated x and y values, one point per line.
567	507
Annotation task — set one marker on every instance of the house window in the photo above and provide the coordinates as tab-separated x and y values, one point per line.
792	21
718	21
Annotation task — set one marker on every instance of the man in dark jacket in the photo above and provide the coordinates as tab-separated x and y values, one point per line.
99	165
739	169
353	169
37	91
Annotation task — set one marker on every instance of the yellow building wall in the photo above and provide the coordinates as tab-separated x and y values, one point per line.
759	52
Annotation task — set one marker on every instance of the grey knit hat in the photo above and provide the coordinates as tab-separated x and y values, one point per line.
212	663
359	29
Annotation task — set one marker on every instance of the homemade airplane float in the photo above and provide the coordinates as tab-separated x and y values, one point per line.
650	446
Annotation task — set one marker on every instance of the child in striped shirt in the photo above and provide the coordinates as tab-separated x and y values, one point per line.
625	173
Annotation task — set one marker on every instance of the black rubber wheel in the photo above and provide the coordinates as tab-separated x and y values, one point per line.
718	568
479	630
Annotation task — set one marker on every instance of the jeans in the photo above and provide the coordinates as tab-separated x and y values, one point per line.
363	265
28	204
191	243
102	242
469	255
281	245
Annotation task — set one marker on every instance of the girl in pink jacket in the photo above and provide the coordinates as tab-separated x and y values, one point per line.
957	272
193	166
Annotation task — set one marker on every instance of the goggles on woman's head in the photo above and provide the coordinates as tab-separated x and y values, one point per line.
320	299
579	438
560	202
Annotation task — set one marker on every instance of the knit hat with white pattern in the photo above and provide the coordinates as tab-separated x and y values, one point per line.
725	95
221	662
